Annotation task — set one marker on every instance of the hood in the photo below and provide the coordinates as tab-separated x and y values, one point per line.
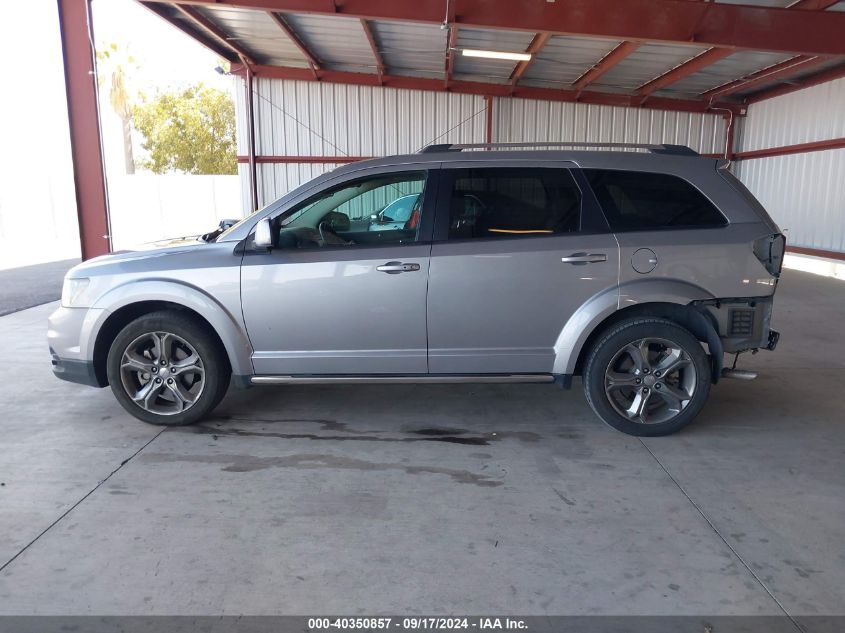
147	251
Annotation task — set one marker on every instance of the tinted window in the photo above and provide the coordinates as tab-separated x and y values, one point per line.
509	202
635	200
374	210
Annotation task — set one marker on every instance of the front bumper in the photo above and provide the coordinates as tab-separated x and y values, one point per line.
70	337
78	371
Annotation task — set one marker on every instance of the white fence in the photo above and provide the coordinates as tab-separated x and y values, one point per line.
38	212
147	207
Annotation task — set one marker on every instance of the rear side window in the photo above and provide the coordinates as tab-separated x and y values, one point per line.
638	201
512	202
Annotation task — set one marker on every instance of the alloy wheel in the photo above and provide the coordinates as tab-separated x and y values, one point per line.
162	373
650	380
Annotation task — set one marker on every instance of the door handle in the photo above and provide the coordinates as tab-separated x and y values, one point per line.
394	268
579	259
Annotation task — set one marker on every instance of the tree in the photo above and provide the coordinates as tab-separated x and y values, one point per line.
190	130
111	61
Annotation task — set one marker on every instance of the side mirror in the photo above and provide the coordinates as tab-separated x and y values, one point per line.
264	234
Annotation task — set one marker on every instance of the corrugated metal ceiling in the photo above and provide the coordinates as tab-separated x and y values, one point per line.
420	49
337	42
644	64
489	70
721	72
564	59
256	31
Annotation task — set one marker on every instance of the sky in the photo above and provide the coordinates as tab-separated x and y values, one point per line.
166	57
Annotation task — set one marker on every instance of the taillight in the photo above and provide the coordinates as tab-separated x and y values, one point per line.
769	250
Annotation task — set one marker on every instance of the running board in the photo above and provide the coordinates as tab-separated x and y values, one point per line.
400	379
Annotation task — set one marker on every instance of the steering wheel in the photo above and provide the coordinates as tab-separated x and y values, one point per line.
328	236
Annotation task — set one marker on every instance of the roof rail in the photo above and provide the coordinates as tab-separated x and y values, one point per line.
661	148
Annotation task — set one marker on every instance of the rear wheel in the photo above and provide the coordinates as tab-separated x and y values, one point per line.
166	368
647	377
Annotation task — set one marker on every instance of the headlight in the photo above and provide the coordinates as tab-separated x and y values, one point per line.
73	292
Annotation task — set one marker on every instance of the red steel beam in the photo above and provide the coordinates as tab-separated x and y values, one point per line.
769	75
713	55
819	78
533	49
815	252
605	63
686	69
215	31
799	148
368	32
86	150
710	24
313	63
491	89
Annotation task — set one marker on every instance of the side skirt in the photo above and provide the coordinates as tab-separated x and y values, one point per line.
402	379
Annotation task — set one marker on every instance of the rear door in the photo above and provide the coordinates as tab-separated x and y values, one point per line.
518	249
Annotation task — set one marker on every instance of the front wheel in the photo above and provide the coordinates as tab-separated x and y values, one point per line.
647	377
166	368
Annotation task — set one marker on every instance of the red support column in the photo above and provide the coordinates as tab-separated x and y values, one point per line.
250	113
488	102
86	148
730	119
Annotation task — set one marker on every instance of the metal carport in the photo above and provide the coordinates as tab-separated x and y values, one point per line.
713	59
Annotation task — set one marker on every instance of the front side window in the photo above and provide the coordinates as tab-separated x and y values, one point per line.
641	201
500	202
383	209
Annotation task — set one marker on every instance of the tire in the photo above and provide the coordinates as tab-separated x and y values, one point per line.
184	388
655	366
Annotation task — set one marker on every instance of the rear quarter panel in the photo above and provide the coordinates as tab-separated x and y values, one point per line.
719	262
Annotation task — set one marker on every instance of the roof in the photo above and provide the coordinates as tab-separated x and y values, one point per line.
634	160
670	54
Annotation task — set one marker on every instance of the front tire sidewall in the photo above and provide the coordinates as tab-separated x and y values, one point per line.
608	345
214	361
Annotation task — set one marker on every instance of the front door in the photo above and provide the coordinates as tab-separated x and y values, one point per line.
343	290
518	249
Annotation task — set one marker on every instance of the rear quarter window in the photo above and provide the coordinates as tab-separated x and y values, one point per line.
640	201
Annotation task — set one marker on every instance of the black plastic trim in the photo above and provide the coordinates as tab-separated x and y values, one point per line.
79	371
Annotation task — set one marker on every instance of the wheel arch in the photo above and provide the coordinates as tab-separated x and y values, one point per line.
130	302
670	300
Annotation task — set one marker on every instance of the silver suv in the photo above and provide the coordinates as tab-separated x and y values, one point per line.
636	270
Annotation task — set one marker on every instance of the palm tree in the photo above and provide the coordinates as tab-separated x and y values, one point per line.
109	62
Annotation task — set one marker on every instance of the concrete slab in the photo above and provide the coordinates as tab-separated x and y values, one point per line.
28	286
434	499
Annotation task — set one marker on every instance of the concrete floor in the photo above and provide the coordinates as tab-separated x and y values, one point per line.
431	499
29	286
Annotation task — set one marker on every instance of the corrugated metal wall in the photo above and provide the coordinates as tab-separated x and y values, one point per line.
805	193
528	120
297	118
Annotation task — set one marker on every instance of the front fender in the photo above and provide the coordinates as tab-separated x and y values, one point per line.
596	310
224	316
